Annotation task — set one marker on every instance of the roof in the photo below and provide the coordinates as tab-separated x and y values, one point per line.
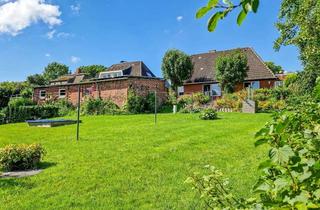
135	68
204	66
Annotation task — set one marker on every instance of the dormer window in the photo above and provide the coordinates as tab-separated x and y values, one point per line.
111	74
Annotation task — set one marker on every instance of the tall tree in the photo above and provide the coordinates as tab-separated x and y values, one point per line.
276	69
231	70
176	67
92	70
55	70
36	80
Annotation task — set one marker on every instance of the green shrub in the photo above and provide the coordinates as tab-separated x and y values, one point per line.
196	99
99	107
316	91
21	157
65	107
208	114
23	113
140	104
191	109
17	102
2	117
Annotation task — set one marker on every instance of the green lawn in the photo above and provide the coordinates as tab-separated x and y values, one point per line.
126	162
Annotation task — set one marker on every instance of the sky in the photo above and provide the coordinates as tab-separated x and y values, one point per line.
34	33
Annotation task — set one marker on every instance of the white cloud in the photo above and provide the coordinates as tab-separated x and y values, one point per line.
74	59
20	14
179	18
50	34
75	8
47	55
64	35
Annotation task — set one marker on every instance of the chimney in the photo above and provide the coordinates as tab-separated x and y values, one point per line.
78	71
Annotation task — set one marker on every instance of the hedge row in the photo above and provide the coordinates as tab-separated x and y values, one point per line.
23	113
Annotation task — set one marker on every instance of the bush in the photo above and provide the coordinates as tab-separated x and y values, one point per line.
23	113
196	99
190	109
65	107
21	157
316	91
99	107
2	118
139	104
208	114
17	102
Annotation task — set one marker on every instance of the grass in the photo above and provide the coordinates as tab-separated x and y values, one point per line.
126	162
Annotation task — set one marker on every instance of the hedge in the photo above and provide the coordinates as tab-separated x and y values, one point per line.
23	113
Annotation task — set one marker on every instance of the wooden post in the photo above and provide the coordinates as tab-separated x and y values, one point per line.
78	114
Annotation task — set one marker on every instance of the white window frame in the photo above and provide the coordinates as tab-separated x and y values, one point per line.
40	94
251	84
111	74
181	90
65	93
213	89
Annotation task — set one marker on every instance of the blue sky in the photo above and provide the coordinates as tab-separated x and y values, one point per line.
84	32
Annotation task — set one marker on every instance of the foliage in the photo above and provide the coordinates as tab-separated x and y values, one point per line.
230	70
190	108
316	91
54	70
290	79
276	69
23	113
10	89
2	117
298	25
65	107
208	114
92	70
232	101
37	80
99	107
17	102
176	67
197	99
140	104
224	7
21	157
291	173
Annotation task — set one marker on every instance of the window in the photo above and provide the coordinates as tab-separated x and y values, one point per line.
206	90
42	94
215	90
253	84
62	93
111	74
181	90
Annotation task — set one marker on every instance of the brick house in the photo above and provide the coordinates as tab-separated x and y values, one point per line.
113	84
203	76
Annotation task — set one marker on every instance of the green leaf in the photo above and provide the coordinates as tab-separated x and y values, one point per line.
242	15
260	141
281	155
255	5
202	12
213	21
212	3
265	164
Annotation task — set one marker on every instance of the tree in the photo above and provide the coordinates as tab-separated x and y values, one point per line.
276	69
230	70
36	80
176	67
55	70
92	70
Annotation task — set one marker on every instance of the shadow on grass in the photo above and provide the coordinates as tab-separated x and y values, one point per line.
45	165
15	183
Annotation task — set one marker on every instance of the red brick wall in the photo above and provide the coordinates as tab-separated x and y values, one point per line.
115	90
194	88
267	83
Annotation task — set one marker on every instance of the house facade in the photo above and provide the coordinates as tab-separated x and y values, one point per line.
203	77
113	84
